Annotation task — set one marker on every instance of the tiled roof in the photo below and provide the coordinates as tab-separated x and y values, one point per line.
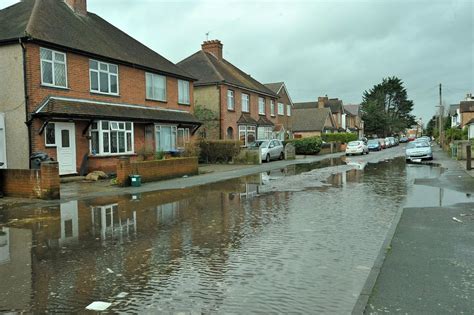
264	121
302	105
245	119
466	106
79	108
210	70
334	104
470	122
53	21
310	119
353	109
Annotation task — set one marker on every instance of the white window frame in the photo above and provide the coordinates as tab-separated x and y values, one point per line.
151	79
113	126
174	135
281	109
230	100
245	103
288	110
183	87
272	108
110	74
265	133
52	62
261	105
245	130
46	144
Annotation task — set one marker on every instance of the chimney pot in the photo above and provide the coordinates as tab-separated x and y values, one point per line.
78	6
214	47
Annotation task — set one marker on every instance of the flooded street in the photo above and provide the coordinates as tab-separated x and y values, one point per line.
289	240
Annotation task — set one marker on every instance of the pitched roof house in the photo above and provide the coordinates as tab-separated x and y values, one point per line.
283	110
334	104
354	122
241	105
86	91
311	121
466	110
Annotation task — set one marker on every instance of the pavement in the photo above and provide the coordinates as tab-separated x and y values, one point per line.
426	264
79	189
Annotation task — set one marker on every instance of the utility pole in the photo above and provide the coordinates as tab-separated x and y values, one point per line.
440	123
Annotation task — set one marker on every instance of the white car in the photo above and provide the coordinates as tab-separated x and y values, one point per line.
418	150
270	149
357	147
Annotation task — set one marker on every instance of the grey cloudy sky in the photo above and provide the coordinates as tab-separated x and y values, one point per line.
338	48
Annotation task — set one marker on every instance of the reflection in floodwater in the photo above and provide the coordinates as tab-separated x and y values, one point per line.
228	247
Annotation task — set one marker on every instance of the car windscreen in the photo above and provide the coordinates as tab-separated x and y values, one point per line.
353	143
373	142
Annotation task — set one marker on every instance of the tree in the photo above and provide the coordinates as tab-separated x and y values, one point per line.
431	127
386	108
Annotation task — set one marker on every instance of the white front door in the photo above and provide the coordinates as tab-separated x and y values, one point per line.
66	147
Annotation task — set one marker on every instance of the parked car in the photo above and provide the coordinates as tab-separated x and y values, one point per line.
411	138
393	142
270	149
418	150
356	147
424	138
388	143
383	145
403	139
374	145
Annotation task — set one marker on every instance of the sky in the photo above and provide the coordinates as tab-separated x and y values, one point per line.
334	48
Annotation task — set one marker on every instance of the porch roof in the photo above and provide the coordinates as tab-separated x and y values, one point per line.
61	107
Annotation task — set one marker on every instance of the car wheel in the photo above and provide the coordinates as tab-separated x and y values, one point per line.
282	156
267	159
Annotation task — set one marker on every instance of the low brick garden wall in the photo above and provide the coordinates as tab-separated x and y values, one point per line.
155	170
42	184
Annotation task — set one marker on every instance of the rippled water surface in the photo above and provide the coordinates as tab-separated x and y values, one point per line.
229	247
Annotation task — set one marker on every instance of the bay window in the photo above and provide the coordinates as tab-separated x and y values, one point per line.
111	137
103	77
265	133
170	138
247	134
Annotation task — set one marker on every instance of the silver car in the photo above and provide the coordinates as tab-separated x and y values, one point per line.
270	149
418	150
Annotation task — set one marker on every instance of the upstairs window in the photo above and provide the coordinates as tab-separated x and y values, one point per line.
230	100
104	77
183	92
53	68
245	102
272	108
261	106
288	110
155	87
281	109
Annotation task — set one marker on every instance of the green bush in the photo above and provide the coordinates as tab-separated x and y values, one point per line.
310	145
218	151
343	137
456	134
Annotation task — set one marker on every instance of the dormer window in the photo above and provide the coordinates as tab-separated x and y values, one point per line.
103	77
53	68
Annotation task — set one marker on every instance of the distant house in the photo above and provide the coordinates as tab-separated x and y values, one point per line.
242	106
312	121
470	129
455	114
334	104
466	110
354	122
282	111
84	92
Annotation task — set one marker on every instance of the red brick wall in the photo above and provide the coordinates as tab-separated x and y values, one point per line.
229	117
132	90
43	183
156	170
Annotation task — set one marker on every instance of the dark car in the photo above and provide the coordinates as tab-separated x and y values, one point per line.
403	139
374	145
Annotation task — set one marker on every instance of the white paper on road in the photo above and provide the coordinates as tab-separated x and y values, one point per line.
98	306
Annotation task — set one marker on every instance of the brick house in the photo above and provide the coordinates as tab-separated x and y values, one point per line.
83	91
242	108
354	122
283	110
466	110
334	104
312	121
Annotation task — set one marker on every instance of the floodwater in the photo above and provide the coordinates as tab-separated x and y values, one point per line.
240	246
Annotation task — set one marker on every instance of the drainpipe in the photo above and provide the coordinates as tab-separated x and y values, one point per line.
25	85
221	118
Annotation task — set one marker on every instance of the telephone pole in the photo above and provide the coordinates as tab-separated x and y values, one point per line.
440	120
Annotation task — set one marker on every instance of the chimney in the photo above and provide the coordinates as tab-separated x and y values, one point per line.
214	47
78	6
322	101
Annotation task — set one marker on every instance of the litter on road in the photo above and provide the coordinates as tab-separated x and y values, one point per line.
98	306
457	220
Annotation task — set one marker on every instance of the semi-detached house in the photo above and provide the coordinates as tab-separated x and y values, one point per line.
244	108
84	92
